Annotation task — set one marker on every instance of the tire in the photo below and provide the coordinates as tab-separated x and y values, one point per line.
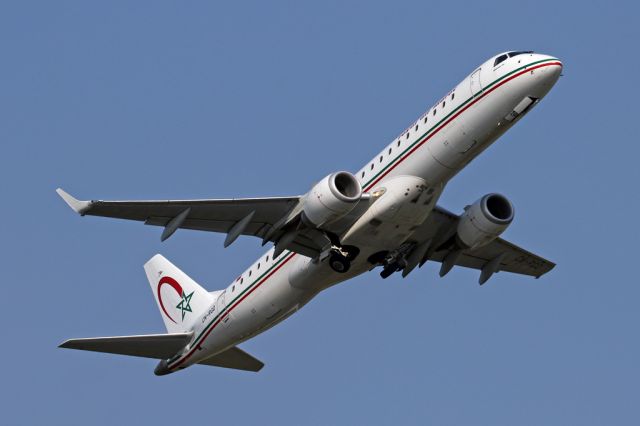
386	272
389	270
339	263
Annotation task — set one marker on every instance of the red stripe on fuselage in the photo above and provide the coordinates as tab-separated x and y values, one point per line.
379	178
188	355
183	359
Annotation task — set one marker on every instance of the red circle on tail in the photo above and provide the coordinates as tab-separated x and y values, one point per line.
175	285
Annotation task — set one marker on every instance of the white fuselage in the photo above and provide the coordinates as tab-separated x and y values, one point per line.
423	158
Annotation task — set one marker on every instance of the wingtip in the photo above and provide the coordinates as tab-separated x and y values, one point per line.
549	269
76	205
65	344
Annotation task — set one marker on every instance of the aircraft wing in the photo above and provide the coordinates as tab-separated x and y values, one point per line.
265	218
499	255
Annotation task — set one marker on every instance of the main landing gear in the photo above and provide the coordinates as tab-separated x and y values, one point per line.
340	257
391	261
339	263
393	267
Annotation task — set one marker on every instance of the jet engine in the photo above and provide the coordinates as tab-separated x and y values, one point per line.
484	220
331	198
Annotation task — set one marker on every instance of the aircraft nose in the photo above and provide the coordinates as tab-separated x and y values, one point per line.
546	73
554	69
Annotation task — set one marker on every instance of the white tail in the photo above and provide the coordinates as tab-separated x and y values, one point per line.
180	299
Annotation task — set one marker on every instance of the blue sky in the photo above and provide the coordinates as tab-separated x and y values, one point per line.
178	100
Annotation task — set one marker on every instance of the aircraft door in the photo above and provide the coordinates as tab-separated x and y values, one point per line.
220	301
227	317
476	85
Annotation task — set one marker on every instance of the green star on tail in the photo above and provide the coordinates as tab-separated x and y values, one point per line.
185	303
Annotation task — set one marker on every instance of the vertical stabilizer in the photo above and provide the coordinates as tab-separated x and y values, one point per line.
180	299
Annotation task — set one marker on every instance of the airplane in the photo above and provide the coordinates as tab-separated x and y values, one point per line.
385	215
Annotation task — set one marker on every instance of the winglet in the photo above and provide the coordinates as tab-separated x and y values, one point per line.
78	206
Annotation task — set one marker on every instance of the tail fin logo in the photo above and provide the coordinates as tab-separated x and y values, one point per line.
185	303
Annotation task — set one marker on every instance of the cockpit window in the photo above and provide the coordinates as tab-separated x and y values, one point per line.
512	54
500	59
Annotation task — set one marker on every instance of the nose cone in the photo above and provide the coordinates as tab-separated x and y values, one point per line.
545	72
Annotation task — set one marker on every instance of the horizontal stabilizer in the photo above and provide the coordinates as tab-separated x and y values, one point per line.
157	346
234	358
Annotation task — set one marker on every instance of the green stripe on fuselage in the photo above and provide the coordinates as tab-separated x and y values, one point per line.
197	340
435	126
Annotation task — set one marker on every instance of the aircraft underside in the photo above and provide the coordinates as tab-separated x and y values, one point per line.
385	215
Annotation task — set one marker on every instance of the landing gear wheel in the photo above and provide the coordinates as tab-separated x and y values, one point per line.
391	268
387	271
339	263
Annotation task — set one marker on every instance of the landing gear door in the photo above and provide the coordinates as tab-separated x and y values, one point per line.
476	86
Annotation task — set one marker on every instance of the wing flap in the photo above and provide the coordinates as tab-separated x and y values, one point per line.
209	225
159	346
234	358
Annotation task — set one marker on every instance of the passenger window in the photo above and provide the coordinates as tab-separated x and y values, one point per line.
444	103
381	158
500	59
233	289
425	118
434	111
249	272
258	265
241	280
407	135
416	127
363	174
389	151
453	95
371	166
267	259
398	142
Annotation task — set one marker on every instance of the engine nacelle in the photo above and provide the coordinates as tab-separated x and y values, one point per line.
484	220
331	198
